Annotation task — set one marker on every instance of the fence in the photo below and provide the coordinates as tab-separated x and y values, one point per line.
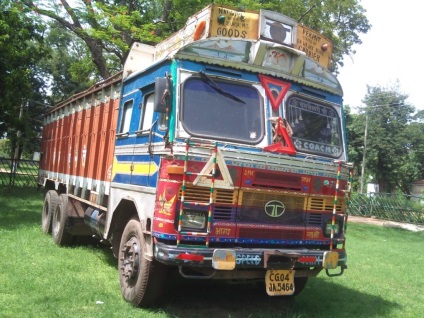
19	173
394	207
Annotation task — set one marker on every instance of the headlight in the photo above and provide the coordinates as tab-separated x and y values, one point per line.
328	228
193	220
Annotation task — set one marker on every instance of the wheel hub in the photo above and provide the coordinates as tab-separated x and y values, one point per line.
130	259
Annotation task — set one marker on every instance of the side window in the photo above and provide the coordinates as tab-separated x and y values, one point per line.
126	117
146	113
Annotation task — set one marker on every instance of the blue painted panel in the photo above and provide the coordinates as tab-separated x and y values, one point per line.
122	178
147	77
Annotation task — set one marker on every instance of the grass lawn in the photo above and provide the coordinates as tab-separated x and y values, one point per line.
38	279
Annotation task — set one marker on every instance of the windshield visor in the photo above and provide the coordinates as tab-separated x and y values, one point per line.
222	110
316	127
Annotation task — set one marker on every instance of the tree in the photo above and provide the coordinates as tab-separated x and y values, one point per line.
21	46
69	67
355	138
109	27
394	141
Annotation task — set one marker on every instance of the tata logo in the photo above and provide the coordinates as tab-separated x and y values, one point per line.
274	208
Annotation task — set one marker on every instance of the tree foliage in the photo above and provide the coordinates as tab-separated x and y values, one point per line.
109	27
21	46
395	140
69	67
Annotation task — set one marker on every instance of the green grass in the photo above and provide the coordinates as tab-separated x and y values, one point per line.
39	279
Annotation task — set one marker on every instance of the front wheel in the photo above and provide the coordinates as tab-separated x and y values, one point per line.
142	281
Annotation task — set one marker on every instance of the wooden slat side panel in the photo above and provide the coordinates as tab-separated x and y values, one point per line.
79	139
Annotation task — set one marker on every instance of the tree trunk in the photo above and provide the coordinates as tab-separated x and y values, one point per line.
96	49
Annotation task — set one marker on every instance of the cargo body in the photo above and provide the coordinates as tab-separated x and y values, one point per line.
220	153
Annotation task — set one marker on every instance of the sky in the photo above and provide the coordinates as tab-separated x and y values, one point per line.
391	51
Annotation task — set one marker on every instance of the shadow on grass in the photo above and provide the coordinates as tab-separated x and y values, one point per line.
90	242
21	208
192	299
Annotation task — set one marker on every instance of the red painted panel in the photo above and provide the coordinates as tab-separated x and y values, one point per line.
44	147
81	143
72	143
85	146
55	144
97	141
59	146
64	145
103	143
78	141
80	160
111	133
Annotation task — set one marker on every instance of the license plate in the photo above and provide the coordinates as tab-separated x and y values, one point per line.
279	282
224	259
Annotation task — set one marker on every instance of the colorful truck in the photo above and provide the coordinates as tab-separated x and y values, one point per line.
219	153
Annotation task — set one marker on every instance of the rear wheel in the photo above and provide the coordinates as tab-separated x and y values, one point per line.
60	218
51	200
142	281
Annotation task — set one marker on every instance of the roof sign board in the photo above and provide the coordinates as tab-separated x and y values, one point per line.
316	46
232	23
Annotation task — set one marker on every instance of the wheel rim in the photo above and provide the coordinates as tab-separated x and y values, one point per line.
45	213
131	260
56	223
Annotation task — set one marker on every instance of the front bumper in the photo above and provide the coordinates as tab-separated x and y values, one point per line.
248	258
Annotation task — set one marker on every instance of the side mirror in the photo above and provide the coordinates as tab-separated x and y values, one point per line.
163	96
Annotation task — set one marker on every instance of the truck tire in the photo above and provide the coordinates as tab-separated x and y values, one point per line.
142	281
60	217
51	200
299	283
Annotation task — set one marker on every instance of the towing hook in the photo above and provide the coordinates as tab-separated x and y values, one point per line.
342	268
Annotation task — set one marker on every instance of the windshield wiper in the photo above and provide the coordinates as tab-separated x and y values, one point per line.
212	84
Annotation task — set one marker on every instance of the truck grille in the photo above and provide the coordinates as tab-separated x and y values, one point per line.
276	234
224	201
260	199
325	204
276	181
314	219
252	208
202	195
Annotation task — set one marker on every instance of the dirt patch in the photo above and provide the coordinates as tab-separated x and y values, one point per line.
380	222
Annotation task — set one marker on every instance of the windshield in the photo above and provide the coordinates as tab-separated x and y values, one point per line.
316	126
222	110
